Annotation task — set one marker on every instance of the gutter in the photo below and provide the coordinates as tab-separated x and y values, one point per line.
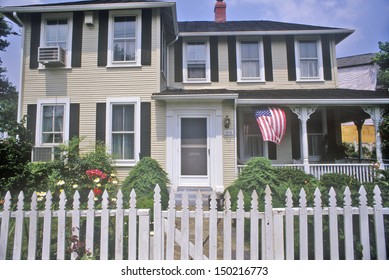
20	94
377	101
197	97
73	8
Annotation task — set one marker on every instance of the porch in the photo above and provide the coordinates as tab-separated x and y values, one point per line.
363	172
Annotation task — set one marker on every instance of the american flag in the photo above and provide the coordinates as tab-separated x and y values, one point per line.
272	122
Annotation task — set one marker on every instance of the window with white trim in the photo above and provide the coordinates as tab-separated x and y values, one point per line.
123	133
250	60
124	38
196	61
52	122
309	60
56	31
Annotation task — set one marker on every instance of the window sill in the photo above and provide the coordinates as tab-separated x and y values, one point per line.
58	68
310	81
197	82
124	66
251	81
119	163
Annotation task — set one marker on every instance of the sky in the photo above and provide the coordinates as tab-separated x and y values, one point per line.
369	19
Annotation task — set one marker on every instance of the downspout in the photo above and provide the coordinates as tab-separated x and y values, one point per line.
20	23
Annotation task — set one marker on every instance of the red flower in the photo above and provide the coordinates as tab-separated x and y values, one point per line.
95	173
97	191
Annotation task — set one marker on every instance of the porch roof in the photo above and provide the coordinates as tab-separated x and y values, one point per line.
284	96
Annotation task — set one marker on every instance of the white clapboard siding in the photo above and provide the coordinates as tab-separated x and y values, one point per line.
183	232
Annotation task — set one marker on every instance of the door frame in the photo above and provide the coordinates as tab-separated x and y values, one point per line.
213	111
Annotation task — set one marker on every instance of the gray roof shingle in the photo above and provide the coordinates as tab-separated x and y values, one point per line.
355	60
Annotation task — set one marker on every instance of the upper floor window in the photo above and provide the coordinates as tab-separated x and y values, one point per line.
53	122
124	45
309	60
196	61
56	31
250	60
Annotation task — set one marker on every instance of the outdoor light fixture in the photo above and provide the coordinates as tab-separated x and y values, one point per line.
227	122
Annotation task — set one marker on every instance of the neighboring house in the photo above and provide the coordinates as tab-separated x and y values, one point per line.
185	93
358	72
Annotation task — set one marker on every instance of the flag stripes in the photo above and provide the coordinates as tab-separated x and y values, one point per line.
272	123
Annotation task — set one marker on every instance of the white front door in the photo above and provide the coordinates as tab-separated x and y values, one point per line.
194	151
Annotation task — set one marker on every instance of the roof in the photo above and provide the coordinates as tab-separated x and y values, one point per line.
355	60
89	2
286	96
257	27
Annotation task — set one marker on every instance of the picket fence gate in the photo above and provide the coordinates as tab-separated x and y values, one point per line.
196	232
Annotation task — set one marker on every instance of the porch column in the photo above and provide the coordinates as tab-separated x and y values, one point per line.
303	113
376	114
359	125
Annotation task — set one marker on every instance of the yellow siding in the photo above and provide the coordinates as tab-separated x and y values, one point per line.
229	144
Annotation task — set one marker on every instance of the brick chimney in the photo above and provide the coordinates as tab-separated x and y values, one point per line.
220	11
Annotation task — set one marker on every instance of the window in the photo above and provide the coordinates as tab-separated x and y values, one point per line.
124	46
197	61
123	124
52	122
251	143
309	61
250	61
56	30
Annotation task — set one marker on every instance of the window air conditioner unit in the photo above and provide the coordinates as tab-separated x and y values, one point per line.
52	56
43	154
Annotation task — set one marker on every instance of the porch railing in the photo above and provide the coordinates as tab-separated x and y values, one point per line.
362	172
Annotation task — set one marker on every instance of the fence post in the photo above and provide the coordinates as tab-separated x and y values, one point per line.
171	220
348	225
333	216
144	234
4	226
75	220
213	227
318	224
199	226
119	227
364	224
289	225
269	246
227	228
254	229
32	232
185	227
240	227
90	223
158	240
47	228
303	226
61	227
104	237
379	225
132	228
18	237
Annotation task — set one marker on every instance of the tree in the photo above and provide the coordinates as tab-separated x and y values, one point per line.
382	60
8	93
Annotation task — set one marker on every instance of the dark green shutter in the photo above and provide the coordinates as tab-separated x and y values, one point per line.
290	54
325	42
78	20
232	59
214	48
74	129
268	58
145	129
146	36
100	122
178	61
272	149
31	121
35	40
103	39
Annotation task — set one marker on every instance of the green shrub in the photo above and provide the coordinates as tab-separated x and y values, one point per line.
143	178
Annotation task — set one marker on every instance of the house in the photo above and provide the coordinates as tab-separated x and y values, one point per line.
125	72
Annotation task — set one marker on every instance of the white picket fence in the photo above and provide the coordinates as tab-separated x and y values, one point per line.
195	231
